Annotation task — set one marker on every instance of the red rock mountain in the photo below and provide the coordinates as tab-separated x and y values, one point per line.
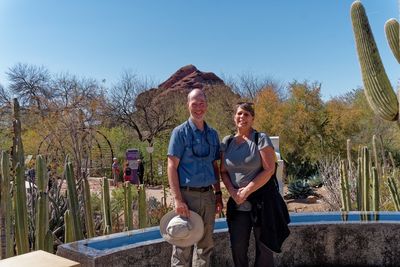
188	78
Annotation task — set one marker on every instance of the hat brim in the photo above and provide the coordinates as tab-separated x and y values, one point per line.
196	233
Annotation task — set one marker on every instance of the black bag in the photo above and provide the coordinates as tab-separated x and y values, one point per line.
128	171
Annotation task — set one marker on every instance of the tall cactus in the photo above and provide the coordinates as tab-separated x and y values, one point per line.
88	209
5	207
128	212
21	212
142	207
106	207
69	233
345	188
42	212
378	90
20	208
366	178
73	201
375	189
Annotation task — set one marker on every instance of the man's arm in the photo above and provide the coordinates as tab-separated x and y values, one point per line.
217	188
181	207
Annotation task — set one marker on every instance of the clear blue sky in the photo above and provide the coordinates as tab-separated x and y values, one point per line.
282	39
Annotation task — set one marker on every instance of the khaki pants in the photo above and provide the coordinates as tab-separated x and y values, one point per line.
202	203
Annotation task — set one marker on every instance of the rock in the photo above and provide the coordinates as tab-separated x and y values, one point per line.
311	199
188	78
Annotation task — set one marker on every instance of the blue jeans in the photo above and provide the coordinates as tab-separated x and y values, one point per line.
240	224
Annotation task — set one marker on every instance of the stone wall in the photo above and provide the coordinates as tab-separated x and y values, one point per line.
335	244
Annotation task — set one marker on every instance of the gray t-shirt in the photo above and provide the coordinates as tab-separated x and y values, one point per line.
243	161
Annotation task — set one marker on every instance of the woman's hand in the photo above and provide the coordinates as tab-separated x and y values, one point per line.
242	195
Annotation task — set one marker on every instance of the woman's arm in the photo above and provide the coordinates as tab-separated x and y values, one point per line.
227	180
268	162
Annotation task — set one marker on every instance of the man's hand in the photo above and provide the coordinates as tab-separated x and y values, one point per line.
219	205
181	208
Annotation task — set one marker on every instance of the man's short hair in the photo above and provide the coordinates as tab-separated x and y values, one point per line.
198	92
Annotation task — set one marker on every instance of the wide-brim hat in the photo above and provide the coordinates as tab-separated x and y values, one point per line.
181	231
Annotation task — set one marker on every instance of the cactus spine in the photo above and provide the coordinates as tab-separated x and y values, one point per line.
88	209
42	212
5	206
128	212
378	90
106	207
73	201
142	207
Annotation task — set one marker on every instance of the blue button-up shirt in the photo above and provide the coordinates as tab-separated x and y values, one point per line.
196	150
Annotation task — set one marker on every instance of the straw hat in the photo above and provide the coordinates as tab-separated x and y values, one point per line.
181	231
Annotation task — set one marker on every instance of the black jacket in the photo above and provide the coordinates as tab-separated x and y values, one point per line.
269	211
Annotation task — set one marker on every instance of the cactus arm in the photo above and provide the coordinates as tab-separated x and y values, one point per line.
392	35
378	89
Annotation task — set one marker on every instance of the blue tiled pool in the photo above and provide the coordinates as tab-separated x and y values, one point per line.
135	237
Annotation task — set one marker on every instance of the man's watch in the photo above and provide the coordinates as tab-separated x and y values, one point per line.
218	193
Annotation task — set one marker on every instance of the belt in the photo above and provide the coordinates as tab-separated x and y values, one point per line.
197	189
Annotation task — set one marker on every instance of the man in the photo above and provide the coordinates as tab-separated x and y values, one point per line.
140	171
193	152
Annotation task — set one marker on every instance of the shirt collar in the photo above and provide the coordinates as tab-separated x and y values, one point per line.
194	128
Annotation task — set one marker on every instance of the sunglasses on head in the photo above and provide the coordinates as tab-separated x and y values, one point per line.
245	103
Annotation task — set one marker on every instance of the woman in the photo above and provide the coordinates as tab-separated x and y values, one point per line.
247	165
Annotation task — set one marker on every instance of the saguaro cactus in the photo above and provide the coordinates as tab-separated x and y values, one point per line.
378	90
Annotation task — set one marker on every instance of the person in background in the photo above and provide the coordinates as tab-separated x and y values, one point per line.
140	170
115	171
193	178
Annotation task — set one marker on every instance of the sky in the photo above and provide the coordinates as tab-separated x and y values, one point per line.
284	40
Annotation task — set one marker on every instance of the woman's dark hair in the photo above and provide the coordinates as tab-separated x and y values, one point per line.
247	106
